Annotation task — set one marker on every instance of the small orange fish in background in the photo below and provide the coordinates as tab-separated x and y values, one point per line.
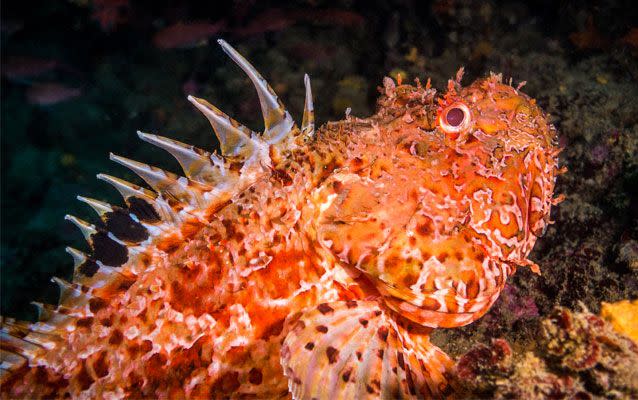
17	67
45	94
302	262
185	35
275	19
271	20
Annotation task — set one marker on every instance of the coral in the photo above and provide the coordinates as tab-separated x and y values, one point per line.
531	380
583	342
579	356
479	370
495	372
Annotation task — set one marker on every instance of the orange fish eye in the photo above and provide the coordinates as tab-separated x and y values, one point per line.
455	118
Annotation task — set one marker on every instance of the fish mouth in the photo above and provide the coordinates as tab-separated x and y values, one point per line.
434	311
449	305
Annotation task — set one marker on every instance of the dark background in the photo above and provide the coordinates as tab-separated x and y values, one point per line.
579	59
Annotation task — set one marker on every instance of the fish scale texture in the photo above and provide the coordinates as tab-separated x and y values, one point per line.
319	271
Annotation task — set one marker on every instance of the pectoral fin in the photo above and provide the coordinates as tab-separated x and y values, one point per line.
354	350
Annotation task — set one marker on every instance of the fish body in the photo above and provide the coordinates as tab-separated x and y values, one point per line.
20	67
303	262
46	94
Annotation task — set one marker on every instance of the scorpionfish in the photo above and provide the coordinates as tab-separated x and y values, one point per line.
299	262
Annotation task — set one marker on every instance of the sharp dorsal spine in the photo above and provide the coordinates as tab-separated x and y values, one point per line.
308	121
278	124
85	228
90	272
236	141
142	203
172	187
196	163
100	207
128	189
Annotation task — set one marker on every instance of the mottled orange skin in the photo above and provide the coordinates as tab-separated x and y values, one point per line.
390	208
439	220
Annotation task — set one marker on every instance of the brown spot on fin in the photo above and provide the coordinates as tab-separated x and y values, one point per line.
352	360
104	247
118	221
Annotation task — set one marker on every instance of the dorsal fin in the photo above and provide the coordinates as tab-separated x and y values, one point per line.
124	232
118	221
72	295
278	124
171	186
100	207
236	141
90	272
143	203
308	121
105	246
196	163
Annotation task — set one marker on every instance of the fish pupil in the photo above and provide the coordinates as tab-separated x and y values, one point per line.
455	116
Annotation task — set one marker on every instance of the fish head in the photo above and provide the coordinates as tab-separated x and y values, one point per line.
438	202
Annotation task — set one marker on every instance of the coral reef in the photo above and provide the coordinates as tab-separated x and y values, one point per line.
579	356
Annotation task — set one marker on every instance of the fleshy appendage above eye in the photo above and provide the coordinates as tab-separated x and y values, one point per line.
455	118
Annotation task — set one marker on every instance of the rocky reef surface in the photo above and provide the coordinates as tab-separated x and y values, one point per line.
578	356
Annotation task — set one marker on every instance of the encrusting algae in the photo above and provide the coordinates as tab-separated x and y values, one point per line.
302	262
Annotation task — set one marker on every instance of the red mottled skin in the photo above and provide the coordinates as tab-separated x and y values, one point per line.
393	211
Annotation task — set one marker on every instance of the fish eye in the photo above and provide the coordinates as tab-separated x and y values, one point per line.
455	118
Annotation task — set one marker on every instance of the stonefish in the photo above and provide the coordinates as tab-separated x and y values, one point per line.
301	262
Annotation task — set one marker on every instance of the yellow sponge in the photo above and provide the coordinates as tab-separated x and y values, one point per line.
623	316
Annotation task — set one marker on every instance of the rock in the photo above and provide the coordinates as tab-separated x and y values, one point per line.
578	356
